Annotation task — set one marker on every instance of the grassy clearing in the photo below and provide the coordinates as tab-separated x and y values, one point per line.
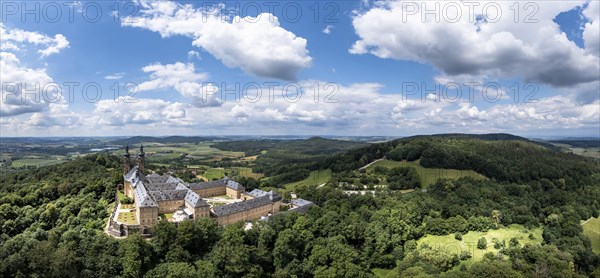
246	172
315	178
591	229
469	240
427	175
385	273
214	173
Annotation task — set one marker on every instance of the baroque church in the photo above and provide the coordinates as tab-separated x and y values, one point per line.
155	195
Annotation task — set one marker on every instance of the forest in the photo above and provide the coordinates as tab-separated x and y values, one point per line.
52	220
288	161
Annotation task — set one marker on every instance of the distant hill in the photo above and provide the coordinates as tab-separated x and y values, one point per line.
170	139
503	157
314	146
487	137
490	137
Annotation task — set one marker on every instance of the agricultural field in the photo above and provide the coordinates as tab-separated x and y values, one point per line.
37	162
244	172
159	152
591	228
469	240
587	151
315	178
427	175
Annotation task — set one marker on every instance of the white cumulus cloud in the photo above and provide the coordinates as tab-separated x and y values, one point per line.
11	38
494	48
184	79
256	45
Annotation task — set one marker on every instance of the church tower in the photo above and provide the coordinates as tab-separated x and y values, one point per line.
141	159
126	161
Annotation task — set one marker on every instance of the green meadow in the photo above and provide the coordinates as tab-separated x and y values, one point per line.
448	243
591	229
214	173
427	175
315	178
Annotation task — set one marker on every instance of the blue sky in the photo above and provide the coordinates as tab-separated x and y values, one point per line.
366	55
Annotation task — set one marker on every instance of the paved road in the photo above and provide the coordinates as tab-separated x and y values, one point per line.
365	167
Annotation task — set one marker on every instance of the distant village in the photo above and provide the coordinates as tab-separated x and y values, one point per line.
155	195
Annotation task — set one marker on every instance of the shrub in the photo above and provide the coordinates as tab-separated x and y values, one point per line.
514	242
458	236
465	255
482	243
497	245
126	201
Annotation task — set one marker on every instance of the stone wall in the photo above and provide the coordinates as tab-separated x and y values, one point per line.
248	215
147	216
233	193
212	191
169	206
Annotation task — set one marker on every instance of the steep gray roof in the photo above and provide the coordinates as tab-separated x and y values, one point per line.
234	185
194	199
208	184
142	198
181	186
301	202
151	189
161	186
154	178
274	196
132	173
257	193
222	182
301	205
242	206
168	195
